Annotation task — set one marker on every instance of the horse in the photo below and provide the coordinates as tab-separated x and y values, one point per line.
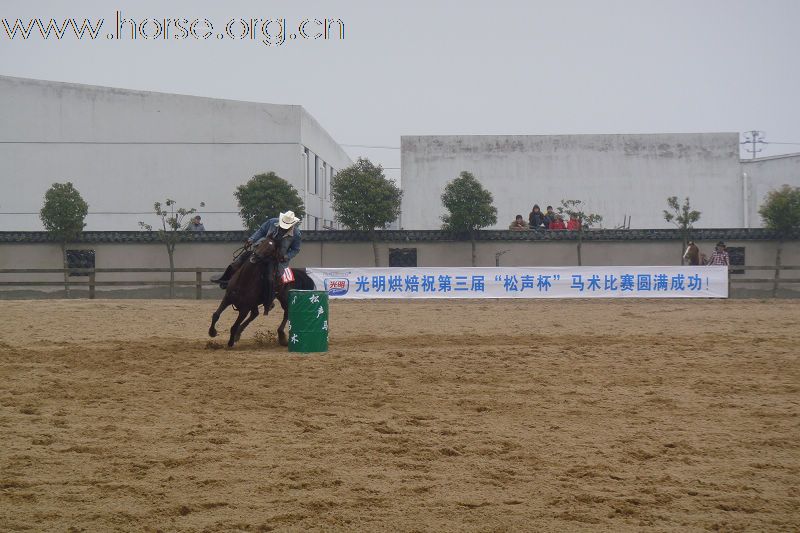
246	289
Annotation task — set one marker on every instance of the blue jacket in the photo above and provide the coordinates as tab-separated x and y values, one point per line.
271	226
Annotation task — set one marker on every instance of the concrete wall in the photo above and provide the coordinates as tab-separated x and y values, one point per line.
359	254
615	175
765	174
125	149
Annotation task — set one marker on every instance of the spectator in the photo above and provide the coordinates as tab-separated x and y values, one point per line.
549	216
195	225
692	254
574	223
557	223
518	224
720	255
536	218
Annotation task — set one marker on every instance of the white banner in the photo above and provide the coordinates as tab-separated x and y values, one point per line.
525	282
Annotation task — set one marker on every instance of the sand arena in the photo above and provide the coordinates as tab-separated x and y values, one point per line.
435	415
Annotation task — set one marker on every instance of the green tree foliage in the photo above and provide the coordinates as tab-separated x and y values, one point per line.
683	216
364	199
577	210
63	215
781	213
169	231
469	207
264	196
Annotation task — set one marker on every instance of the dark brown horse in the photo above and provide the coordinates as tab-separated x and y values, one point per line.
246	290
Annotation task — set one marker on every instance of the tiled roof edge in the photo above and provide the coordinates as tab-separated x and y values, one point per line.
401	236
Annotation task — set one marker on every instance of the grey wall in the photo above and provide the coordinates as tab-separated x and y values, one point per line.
615	175
125	149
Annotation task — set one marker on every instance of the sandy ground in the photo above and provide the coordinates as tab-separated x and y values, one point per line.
424	416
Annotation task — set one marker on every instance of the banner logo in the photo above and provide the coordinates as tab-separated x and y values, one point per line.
337	286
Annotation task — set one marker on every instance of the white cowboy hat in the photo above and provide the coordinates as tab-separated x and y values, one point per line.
287	220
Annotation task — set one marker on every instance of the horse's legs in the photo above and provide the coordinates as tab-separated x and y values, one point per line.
283	298
253	315
212	331
235	326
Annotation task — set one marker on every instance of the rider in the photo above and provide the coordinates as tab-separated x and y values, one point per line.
285	225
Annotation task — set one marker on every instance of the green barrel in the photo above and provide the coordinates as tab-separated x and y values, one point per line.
308	321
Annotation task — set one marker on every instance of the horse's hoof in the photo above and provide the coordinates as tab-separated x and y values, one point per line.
212	333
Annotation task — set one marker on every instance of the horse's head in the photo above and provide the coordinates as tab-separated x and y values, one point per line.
265	251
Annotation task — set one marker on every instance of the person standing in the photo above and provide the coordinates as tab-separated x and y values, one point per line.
720	255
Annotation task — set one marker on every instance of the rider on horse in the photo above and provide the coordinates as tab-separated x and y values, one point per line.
284	229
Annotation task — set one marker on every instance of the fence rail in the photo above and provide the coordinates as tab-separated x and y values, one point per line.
92	282
198	283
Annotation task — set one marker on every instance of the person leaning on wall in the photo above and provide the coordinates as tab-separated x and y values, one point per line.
519	224
195	225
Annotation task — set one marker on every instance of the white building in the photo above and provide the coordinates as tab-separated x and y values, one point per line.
617	176
124	150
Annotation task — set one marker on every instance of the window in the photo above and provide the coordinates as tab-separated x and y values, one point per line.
402	257
324	191
307	173
315	187
330	181
736	254
80	259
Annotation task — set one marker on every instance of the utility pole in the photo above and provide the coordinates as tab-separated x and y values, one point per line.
753	138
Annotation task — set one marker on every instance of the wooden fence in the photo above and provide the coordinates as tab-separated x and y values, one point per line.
198	283
92	281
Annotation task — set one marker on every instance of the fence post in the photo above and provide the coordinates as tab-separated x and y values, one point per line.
198	285
91	285
729	281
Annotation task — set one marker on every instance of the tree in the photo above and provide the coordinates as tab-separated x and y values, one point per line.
469	207
63	215
364	199
265	196
575	209
781	213
172	223
683	216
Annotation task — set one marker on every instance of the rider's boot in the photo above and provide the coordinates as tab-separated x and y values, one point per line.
230	271
224	278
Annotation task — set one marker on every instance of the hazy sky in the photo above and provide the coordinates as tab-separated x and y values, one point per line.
458	67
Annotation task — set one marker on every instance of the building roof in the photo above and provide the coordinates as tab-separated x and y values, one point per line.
402	236
767	158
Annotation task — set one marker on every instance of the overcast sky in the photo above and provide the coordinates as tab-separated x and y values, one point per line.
458	67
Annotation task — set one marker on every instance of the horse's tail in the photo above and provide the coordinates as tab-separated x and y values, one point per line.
303	281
